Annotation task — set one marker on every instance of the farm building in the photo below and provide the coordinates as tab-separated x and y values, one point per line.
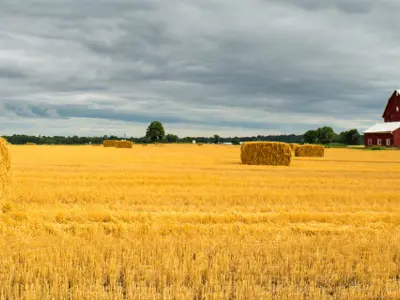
387	133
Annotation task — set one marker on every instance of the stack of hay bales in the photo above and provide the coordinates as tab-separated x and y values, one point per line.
266	153
109	143
310	151
293	146
123	144
5	166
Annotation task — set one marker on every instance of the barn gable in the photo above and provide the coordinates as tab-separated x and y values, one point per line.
392	109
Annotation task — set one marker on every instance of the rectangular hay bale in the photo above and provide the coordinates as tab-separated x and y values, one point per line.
124	144
109	143
266	153
5	166
293	146
310	151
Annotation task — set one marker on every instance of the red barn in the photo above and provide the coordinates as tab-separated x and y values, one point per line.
387	133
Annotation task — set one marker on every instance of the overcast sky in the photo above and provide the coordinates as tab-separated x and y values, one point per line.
201	67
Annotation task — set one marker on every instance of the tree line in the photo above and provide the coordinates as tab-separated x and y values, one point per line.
326	135
155	132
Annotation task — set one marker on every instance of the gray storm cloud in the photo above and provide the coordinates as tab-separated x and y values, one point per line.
237	67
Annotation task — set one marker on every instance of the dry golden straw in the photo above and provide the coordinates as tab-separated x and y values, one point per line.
293	146
124	144
5	166
310	151
109	143
184	222
266	153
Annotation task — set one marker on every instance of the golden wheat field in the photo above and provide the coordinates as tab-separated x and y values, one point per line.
189	222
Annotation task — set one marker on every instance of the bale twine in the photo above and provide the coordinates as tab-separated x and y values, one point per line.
310	151
293	146
109	143
5	166
266	153
124	144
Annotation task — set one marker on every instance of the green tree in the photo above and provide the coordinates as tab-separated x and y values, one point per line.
155	131
216	139
171	138
311	137
350	137
235	141
325	135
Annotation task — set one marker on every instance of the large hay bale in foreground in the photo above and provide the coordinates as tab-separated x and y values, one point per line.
124	144
266	153
109	143
293	146
5	166
310	151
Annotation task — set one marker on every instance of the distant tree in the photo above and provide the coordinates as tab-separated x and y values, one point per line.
350	137
235	141
311	137
325	135
171	138
216	139
337	139
155	131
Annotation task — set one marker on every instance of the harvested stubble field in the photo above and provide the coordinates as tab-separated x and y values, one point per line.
188	222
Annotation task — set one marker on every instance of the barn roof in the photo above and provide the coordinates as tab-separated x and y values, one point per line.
383	127
395	93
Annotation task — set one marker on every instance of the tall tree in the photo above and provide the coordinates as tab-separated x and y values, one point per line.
325	135
350	137
311	137
216	139
155	131
171	138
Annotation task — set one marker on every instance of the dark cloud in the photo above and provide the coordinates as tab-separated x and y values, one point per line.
11	73
247	66
346	6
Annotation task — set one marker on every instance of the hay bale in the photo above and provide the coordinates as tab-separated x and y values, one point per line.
293	146
109	143
266	153
123	144
5	166
310	151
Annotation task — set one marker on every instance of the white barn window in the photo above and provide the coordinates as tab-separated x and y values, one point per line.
388	142
379	142
369	142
